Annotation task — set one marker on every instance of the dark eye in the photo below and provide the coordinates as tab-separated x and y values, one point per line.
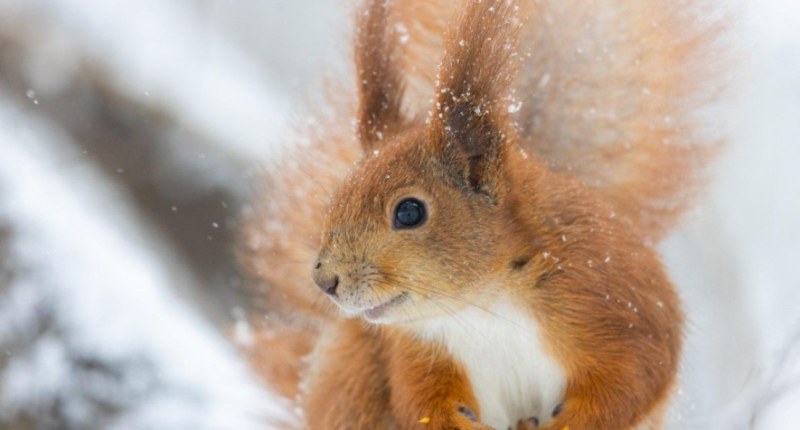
409	213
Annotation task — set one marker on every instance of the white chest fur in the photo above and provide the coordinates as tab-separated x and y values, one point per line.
501	349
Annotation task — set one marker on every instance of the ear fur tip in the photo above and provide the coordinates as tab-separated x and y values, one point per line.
477	64
379	57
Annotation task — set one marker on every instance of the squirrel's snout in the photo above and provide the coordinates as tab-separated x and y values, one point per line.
325	281
328	285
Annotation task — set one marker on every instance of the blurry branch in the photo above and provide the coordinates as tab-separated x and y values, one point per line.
91	334
169	111
770	397
30	328
159	55
780	387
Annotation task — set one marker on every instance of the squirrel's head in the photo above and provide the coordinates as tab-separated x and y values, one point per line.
418	228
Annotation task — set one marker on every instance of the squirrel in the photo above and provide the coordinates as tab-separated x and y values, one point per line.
469	243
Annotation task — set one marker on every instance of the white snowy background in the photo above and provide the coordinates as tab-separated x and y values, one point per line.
129	134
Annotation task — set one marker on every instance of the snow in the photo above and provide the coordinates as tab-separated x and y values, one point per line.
90	324
735	260
93	334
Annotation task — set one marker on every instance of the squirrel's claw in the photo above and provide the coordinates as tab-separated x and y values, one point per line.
467	412
529	424
466	419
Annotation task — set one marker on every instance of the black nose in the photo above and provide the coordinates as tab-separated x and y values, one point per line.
328	285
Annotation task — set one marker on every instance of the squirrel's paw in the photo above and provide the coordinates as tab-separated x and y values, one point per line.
533	422
463	418
529	424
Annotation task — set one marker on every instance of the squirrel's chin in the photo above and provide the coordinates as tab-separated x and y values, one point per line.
380	314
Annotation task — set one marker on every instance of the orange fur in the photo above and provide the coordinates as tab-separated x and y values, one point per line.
274	353
552	205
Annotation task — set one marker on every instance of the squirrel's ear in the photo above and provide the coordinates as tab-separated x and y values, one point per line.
470	117
379	70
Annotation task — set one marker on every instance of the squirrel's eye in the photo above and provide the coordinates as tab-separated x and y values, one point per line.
409	213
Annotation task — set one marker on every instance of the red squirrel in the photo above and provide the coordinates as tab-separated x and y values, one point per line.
469	242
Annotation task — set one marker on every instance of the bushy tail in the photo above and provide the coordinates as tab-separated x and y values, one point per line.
609	93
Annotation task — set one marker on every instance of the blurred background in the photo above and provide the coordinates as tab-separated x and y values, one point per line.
131	137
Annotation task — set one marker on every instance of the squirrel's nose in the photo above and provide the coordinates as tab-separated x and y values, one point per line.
327	284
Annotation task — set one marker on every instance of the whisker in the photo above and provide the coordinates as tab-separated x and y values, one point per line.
457	318
406	282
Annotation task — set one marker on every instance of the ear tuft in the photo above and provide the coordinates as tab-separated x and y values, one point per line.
476	75
378	55
478	139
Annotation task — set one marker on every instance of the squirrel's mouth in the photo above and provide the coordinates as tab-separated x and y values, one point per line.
377	312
